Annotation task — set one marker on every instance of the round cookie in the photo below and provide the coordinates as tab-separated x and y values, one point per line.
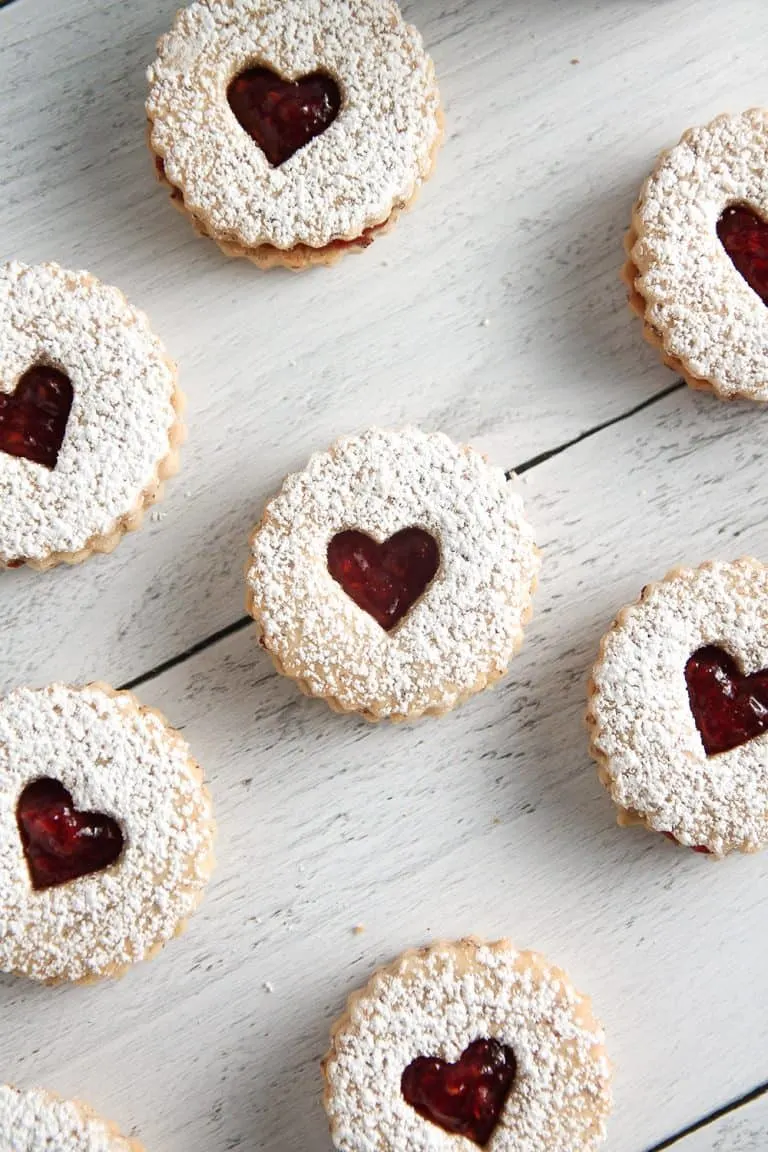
394	575
106	832
468	1044
89	416
697	256
293	131
678	708
38	1121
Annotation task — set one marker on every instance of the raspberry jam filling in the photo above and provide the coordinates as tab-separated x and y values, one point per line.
729	708
744	235
385	580
60	843
281	116
465	1098
364	240
698	848
33	418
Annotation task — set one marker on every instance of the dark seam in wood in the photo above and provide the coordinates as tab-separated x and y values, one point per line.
526	466
552	452
194	650
705	1121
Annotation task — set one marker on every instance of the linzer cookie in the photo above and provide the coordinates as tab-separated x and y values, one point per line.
678	709
38	1121
106	833
89	416
468	1044
697	266
393	577
293	132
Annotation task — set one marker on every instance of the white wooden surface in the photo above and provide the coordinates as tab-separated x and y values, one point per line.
490	821
740	1131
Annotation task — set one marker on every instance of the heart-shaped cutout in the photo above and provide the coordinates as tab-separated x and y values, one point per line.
744	235
465	1098
385	580
60	843
729	708
33	418
282	116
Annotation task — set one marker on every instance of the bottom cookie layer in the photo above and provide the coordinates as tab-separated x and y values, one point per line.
301	256
630	273
267	256
103	545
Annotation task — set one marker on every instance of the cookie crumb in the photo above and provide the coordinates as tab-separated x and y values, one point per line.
358	930
575	60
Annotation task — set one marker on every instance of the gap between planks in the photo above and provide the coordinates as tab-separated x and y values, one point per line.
526	466
712	1118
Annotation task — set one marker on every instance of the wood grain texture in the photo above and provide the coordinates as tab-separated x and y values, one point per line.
521	226
741	1131
491	821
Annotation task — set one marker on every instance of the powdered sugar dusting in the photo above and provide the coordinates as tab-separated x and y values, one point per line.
436	1003
36	1121
129	765
371	159
705	312
466	627
121	417
644	731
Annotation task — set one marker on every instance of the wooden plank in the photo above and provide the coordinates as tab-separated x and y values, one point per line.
745	1130
522	226
490	821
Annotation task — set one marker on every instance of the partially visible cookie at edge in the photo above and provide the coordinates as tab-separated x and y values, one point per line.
292	133
106	833
90	416
697	254
678	708
39	1121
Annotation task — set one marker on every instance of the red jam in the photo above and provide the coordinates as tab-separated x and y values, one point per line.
33	418
59	842
729	708
466	1098
744	235
283	115
385	580
698	848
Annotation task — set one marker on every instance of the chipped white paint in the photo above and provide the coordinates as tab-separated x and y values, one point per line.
491	820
